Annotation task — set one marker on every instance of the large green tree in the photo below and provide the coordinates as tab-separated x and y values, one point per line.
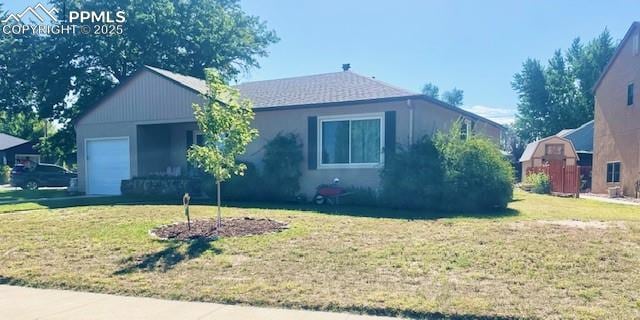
66	74
559	95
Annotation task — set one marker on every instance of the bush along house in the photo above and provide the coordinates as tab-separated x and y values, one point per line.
348	125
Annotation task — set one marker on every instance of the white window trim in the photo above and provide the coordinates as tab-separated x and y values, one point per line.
351	117
606	169
469	130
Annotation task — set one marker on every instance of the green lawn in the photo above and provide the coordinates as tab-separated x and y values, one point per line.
21	195
531	261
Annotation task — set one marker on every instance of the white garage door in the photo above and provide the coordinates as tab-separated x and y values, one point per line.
107	165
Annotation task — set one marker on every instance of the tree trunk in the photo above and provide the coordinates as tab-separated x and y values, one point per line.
219	220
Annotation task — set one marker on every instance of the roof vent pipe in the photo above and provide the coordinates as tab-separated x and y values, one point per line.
346	66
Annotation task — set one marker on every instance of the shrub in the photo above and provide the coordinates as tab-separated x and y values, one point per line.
412	178
282	160
540	182
477	177
5	174
359	196
247	187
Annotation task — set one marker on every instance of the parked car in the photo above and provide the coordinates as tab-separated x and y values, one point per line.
42	175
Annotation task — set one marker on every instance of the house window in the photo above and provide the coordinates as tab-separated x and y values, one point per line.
352	141
630	94
613	172
636	44
199	139
466	129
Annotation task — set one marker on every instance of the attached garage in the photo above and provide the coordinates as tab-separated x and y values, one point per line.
107	164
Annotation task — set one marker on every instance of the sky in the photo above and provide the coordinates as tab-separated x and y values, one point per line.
476	46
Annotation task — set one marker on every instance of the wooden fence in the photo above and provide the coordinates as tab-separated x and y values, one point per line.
564	179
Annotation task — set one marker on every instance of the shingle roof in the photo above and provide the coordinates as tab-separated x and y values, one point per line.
194	83
321	88
327	88
581	137
529	150
7	141
314	89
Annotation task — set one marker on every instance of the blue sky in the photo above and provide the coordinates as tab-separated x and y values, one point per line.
474	45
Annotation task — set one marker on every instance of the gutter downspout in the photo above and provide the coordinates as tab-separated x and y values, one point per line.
411	108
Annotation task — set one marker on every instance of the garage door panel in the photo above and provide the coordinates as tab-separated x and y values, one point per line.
108	163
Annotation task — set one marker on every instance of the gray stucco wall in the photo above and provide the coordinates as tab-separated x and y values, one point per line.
151	99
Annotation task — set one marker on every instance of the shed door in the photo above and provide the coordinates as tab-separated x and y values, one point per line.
107	165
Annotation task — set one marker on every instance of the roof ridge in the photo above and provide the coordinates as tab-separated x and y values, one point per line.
295	77
385	83
157	69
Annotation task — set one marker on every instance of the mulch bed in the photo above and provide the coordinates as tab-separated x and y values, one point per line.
231	227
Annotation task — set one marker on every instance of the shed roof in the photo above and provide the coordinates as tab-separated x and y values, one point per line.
9	141
529	151
531	148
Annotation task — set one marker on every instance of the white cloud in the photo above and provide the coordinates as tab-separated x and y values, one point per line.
499	115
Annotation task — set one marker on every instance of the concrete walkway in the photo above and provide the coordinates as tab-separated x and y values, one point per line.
609	200
29	303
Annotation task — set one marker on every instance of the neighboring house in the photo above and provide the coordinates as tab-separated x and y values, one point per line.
582	140
14	149
346	122
616	161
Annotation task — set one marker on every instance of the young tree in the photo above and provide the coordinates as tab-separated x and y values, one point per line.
225	122
431	90
454	96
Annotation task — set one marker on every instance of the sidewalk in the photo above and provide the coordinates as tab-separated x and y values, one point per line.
29	303
609	200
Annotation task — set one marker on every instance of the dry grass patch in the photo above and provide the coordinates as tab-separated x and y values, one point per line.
515	266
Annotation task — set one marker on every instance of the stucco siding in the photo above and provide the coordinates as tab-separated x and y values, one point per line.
617	126
156	113
154	145
270	123
431	118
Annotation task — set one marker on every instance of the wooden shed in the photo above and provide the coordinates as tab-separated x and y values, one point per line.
557	157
